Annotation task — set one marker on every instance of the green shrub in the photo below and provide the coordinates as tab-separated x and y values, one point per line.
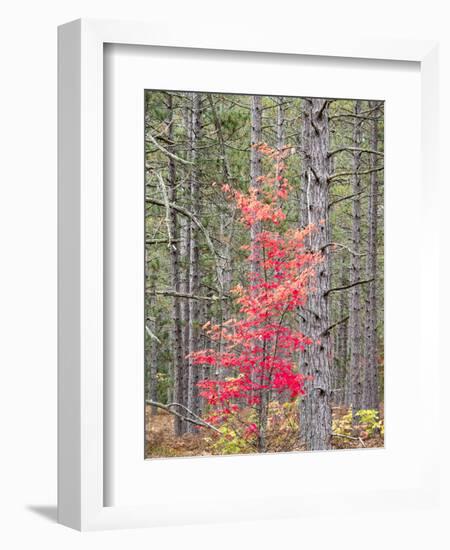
229	442
367	420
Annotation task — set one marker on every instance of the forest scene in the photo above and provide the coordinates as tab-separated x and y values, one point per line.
264	260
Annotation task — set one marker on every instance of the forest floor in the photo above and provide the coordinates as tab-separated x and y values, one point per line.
161	441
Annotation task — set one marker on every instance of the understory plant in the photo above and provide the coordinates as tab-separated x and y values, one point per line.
366	421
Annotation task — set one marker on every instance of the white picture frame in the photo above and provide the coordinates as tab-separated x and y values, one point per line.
82	483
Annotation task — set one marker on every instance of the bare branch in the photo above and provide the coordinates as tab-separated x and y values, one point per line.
315	174
197	222
322	109
345	247
347	286
355	149
166	152
194	420
343	174
186	295
349	437
347	197
333	326
161	241
152	335
167	206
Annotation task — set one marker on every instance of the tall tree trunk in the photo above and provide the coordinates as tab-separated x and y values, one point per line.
225	229
179	371
194	306
315	409
255	173
185	249
177	360
371	371
355	333
255	163
340	362
305	148
255	159
280	132
185	254
151	350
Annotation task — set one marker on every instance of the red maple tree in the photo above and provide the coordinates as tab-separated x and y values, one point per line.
259	349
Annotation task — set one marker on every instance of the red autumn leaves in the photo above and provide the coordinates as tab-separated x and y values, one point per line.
257	353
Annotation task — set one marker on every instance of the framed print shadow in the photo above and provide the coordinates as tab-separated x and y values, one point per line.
231	275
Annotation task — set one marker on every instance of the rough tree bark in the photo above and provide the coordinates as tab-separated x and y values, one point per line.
341	337
315	410
151	350
355	332
305	155
255	162
178	368
226	229
280	130
194	280
255	173
371	372
304	151
184	286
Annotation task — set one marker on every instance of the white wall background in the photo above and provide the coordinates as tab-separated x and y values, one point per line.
28	270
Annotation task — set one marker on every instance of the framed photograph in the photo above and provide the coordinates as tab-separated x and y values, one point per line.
236	219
